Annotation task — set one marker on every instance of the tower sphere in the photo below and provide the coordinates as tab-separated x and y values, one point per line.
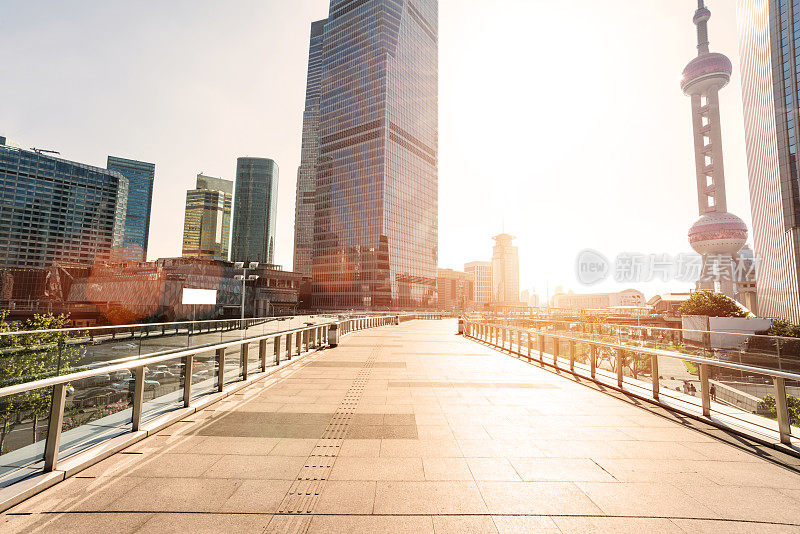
718	233
706	71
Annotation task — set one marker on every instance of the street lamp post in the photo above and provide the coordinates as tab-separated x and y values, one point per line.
244	279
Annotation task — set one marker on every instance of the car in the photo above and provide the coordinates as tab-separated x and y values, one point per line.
94	392
128	384
122	374
163	376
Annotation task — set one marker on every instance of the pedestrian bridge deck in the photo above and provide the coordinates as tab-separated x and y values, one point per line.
411	428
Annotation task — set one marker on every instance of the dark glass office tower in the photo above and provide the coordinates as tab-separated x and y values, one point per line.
255	206
54	210
140	177
376	196
309	154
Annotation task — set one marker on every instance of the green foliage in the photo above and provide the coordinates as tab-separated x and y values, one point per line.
784	328
29	357
768	406
711	304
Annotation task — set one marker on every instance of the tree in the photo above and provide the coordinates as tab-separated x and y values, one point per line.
793	404
29	357
711	304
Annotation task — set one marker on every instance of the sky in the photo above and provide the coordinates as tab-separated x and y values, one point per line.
562	123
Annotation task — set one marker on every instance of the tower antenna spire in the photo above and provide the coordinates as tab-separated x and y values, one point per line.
701	18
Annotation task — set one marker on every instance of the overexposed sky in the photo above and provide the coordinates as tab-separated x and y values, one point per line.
562	121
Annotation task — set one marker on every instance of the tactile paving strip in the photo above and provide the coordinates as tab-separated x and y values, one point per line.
305	491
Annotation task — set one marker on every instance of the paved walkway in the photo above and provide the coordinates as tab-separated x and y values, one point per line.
412	429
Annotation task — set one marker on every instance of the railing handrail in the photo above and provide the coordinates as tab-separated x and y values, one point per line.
143	362
671	329
137	325
655	352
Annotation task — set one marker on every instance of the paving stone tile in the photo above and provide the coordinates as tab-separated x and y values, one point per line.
206	523
541	498
377	469
525	525
377	524
660	500
446	469
560	469
439	497
346	497
176	495
617	525
257	496
498	469
444	524
241	466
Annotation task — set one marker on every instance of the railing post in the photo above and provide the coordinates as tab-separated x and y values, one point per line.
54	427
188	371
220	368
244	357
556	351
705	390
277	342
572	356
620	362
592	360
782	410
138	399
541	349
288	346
529	346
262	353
298	343
654	375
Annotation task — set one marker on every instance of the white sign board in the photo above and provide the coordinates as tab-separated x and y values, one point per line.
199	296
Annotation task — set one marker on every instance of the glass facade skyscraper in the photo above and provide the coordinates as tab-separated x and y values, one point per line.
375	229
54	210
309	154
769	34
140	177
207	221
255	208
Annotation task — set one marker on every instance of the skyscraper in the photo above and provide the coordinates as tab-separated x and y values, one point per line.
481	272
717	235
140	177
207	221
505	271
375	185
54	210
309	154
769	43
254	210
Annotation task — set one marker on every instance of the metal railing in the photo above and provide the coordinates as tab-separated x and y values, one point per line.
286	345
547	346
768	351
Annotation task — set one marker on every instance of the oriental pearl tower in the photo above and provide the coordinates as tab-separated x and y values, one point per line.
717	235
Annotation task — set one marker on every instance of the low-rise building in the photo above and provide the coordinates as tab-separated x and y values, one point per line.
455	290
598	301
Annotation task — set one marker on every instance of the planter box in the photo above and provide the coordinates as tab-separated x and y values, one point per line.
744	326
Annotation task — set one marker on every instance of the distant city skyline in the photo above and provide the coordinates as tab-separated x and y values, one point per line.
635	197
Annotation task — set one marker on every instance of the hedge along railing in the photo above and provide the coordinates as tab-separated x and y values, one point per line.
503	337
290	343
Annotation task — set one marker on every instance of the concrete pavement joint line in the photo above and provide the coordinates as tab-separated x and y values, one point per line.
307	487
462	514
